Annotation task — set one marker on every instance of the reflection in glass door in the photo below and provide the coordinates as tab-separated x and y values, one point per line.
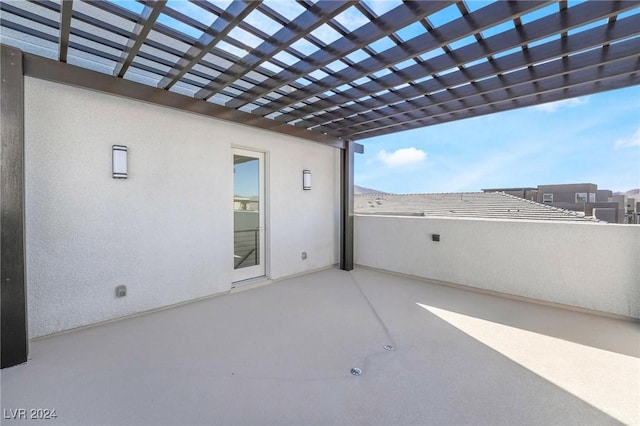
248	215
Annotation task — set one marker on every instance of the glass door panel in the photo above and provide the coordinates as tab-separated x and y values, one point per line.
248	215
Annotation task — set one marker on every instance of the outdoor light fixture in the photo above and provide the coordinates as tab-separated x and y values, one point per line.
306	180
119	161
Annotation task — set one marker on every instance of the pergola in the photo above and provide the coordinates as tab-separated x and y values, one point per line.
327	71
332	70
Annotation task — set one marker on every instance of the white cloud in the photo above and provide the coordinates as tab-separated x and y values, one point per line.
630	141
565	103
402	157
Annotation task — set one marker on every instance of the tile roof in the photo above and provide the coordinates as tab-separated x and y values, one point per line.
494	205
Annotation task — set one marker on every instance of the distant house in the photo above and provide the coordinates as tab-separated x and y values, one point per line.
581	197
571	196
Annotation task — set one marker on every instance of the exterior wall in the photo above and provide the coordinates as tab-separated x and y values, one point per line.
612	211
631	211
603	196
531	194
593	266
166	232
605	214
564	196
627	209
621	199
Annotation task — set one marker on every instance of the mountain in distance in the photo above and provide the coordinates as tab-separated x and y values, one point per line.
362	190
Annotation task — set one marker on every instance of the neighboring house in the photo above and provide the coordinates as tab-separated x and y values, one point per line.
603	195
474	204
628	208
571	196
585	198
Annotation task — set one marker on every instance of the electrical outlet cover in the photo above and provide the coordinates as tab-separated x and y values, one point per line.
121	291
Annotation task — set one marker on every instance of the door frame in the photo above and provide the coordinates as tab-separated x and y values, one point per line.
259	272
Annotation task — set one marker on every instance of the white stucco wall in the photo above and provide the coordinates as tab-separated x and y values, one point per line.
166	232
593	266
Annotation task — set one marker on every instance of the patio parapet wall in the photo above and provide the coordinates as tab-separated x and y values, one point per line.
584	265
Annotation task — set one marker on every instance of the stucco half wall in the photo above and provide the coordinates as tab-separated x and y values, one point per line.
166	232
586	265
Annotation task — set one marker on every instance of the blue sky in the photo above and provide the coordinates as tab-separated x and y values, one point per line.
593	139
246	179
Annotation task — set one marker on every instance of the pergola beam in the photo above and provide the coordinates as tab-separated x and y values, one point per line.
517	65
150	13
391	21
161	29
312	18
536	30
625	55
107	42
501	54
216	32
597	82
97	39
47	69
455	30
66	9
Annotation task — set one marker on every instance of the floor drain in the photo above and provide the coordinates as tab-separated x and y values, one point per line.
356	371
388	347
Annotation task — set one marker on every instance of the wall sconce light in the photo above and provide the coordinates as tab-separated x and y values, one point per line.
119	154
306	180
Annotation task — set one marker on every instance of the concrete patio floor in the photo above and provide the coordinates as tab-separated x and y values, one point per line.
282	354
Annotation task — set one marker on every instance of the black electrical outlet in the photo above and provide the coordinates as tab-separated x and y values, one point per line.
435	237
